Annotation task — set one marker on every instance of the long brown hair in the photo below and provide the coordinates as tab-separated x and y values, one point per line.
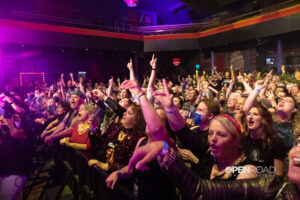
140	126
267	125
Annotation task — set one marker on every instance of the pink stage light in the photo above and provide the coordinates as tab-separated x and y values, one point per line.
131	3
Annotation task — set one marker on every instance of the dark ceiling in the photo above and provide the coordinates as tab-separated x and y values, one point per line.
112	12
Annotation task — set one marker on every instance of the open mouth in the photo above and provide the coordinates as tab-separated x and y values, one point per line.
250	122
296	161
213	148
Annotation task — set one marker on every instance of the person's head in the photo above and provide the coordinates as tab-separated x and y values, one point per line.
175	89
125	94
271	87
192	96
294	90
133	117
240	104
178	102
260	123
62	108
226	74
69	83
287	105
224	137
17	120
86	112
206	111
76	99
232	100
294	163
297	97
125	102
37	93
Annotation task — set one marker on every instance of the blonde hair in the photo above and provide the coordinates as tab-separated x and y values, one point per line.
228	125
89	107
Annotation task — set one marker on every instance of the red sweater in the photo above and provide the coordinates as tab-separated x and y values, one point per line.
80	138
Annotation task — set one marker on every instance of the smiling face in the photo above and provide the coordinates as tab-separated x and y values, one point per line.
254	119
222	142
294	163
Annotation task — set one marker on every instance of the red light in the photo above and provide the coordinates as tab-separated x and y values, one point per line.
176	62
131	3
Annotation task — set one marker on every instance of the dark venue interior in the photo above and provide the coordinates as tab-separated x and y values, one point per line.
149	99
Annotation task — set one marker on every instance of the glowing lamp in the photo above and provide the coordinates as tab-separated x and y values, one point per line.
131	3
176	62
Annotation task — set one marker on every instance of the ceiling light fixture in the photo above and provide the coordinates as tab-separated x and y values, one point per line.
131	3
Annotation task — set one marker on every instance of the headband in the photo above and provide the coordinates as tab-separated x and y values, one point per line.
235	123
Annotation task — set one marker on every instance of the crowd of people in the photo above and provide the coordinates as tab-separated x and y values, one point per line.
224	135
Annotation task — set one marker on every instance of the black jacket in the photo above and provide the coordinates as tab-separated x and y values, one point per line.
264	187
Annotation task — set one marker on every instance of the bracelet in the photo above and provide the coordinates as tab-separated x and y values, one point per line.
154	69
258	90
167	163
172	110
164	151
131	70
141	96
11	102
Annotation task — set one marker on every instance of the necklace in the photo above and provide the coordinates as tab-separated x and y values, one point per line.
83	127
121	136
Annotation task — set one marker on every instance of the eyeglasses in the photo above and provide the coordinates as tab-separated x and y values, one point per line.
286	100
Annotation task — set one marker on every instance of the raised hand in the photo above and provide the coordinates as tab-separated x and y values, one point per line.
62	75
165	98
260	84
111	81
71	74
153	62
130	65
134	88
143	155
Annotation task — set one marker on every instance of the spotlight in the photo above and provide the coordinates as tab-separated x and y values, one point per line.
131	3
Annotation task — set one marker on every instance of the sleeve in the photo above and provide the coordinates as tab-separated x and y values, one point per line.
192	187
278	149
196	142
115	107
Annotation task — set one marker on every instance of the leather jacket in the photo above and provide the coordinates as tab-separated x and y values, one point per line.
264	187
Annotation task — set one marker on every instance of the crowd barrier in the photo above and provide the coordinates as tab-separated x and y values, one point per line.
89	182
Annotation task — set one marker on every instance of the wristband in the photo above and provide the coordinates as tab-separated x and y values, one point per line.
167	163
165	150
141	96
258	90
154	69
131	70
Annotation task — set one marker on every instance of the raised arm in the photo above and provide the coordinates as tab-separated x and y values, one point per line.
217	73
175	119
154	124
229	89
246	85
150	88
72	79
131	70
259	85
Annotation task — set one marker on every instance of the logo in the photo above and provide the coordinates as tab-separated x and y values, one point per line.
257	169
